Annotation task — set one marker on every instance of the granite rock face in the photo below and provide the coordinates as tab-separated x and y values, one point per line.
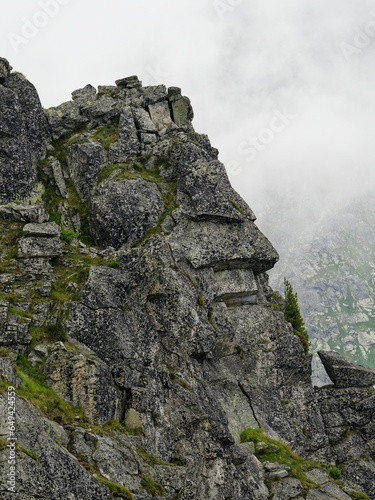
24	134
343	373
141	361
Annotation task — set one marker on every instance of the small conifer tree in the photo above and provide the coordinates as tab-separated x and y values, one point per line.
292	314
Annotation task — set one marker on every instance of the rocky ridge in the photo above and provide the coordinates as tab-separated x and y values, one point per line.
149	354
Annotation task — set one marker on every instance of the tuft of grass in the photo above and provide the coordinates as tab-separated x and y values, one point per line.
201	300
275	451
357	495
117	491
107	134
153	488
31	454
43	397
68	234
115	264
239	209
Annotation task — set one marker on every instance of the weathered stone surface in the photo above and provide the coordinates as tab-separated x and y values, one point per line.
182	110
82	381
85	162
65	117
328	491
317	476
160	115
47	229
343	373
24	213
237	286
128	145
39	247
5	68
58	176
121	212
242	245
23	135
143	120
154	93
103	109
287	489
129	82
7	371
87	92
56	474
208	187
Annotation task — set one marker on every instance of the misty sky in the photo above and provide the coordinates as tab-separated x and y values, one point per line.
283	89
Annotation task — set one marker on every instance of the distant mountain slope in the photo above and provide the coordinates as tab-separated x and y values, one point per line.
331	264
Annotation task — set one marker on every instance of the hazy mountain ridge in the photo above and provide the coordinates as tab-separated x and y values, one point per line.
332	267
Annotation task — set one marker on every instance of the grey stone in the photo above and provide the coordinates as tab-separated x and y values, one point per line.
39	247
5	68
327	491
182	110
65	117
129	82
8	372
343	373
47	229
86	92
287	489
154	93
57	474
208	187
242	245
236	286
85	162
104	108
24	213
143	120
128	145
160	115
82	381
121	212
58	177
23	136
317	476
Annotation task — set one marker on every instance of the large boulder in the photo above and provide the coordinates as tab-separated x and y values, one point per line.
85	162
24	134
121	212
343	373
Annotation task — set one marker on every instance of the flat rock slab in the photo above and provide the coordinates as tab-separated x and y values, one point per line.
35	246
286	489
23	213
317	476
343	373
328	491
48	229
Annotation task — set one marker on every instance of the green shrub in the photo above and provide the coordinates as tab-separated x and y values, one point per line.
293	315
359	496
153	488
201	300
335	473
68	234
115	264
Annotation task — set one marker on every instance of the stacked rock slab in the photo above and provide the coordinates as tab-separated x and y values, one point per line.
180	338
